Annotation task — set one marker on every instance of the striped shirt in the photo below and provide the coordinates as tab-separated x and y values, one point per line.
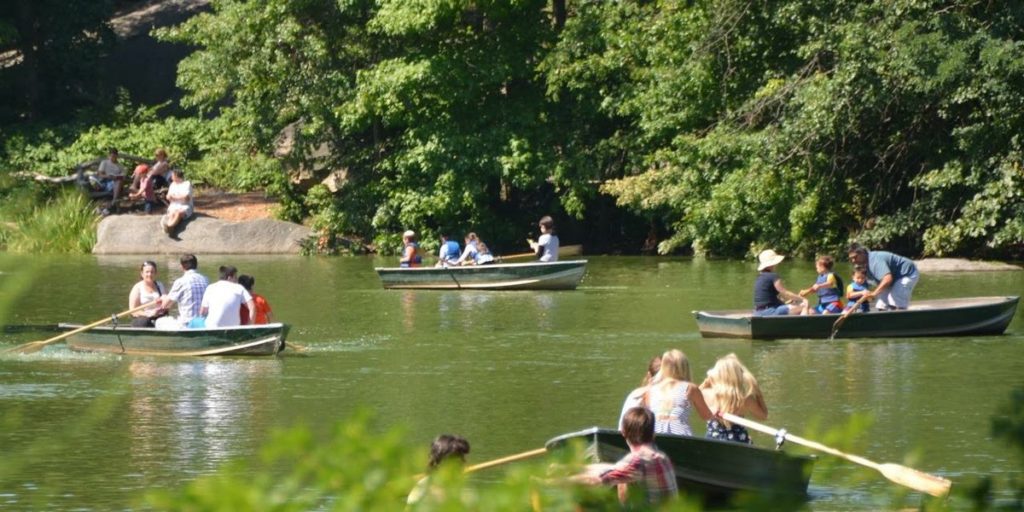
188	291
671	409
649	469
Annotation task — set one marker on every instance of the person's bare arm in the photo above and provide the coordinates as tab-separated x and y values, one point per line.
696	397
756	405
883	283
251	304
786	294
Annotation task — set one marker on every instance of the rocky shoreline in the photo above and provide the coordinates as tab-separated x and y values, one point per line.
202	234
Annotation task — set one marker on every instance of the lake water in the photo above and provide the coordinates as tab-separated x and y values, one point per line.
508	370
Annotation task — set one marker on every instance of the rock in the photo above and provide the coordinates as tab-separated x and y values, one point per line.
142	234
961	265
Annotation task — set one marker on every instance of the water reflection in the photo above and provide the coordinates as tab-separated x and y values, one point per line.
189	413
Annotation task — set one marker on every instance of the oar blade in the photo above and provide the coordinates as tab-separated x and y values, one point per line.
917	480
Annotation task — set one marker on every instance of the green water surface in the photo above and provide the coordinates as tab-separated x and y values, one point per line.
508	370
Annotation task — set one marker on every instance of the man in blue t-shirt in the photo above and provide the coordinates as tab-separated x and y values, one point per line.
895	276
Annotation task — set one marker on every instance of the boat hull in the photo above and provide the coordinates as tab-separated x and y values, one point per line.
709	467
249	340
560	275
947	317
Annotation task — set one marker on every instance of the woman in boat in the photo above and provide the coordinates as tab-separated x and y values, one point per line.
635	398
147	290
730	387
411	251
768	289
476	252
672	396
546	246
446	447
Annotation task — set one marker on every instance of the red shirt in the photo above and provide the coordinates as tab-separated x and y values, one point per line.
262	310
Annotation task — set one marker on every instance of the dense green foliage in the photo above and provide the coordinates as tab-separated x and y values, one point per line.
42	223
723	125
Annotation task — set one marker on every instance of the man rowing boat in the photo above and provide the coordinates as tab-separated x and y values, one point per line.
895	276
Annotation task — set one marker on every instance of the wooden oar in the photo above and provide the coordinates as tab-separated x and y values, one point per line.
36	346
498	462
907	477
565	250
505	460
842	317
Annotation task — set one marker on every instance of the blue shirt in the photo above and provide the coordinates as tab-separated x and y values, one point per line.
450	251
881	263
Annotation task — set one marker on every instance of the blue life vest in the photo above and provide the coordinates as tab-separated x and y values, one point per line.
829	295
858	288
451	251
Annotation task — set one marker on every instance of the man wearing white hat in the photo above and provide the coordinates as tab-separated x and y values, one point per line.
768	289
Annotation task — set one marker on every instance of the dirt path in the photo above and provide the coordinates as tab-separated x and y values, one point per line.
234	207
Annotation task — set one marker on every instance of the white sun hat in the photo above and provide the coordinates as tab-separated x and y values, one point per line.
768	258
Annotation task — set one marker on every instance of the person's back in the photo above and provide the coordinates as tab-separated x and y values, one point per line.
449	252
222	302
669	402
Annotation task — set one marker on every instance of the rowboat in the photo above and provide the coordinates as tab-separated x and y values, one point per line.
709	467
559	275
969	316
249	340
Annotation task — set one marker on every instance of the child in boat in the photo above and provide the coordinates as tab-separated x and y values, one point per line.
410	251
263	311
445	448
645	475
828	287
857	288
730	387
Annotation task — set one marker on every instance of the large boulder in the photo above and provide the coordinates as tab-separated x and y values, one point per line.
142	234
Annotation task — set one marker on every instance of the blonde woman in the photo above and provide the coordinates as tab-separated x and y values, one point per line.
730	387
672	396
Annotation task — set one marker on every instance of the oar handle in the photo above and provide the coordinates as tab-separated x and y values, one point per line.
753	425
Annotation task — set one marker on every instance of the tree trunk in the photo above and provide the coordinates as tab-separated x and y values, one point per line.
29	44
558	10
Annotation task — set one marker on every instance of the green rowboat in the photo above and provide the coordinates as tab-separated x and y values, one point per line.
709	467
249	340
971	316
559	275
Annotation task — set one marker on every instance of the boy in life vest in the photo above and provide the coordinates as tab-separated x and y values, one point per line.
857	288
828	286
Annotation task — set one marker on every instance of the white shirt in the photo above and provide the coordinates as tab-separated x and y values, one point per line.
222	301
110	169
180	193
550	244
